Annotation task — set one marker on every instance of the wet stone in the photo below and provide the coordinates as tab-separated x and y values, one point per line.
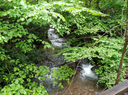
54	61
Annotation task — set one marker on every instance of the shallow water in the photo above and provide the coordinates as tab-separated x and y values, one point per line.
84	83
78	87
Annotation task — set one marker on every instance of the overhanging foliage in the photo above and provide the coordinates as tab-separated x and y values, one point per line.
23	29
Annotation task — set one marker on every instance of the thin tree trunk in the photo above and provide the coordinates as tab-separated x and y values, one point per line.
98	7
86	2
124	49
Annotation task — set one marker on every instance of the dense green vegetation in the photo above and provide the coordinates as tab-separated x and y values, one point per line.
85	23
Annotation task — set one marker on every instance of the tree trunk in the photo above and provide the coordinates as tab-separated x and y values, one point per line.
124	49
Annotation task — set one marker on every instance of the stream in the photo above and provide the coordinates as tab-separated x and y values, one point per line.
84	82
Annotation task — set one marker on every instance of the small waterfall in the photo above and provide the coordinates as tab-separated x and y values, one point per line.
86	72
53	61
56	40
51	34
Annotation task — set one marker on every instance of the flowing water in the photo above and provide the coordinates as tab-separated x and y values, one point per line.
83	83
86	72
56	40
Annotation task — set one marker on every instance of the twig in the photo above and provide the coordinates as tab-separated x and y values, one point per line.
97	41
70	91
82	38
7	67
